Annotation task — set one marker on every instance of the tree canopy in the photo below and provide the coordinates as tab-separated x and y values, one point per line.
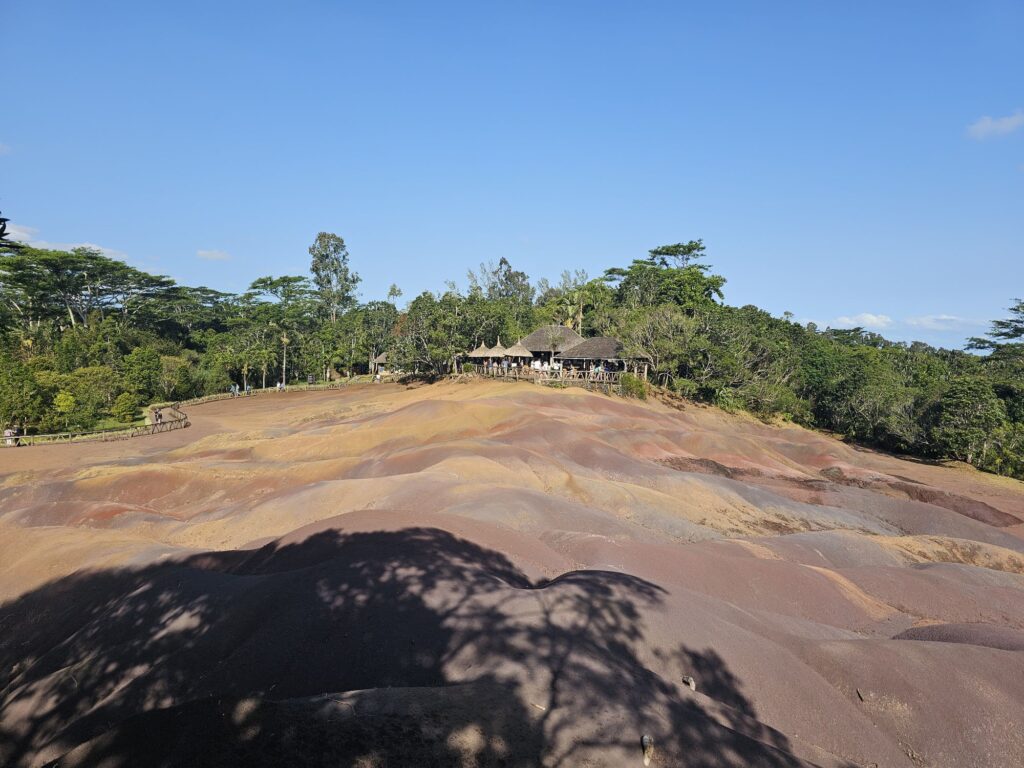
85	339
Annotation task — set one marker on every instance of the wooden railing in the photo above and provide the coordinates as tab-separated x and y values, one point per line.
605	381
176	419
173	417
295	387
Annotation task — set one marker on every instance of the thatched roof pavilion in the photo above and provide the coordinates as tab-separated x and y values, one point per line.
597	348
497	350
549	338
518	350
480	352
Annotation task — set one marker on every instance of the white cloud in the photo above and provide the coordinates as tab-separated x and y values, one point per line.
863	320
213	255
942	322
27	235
986	127
20	233
110	253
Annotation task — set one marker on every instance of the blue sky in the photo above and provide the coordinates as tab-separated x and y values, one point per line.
854	163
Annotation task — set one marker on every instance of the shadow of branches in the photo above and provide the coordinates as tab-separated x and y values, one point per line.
412	647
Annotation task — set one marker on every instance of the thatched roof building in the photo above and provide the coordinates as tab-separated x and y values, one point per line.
597	348
480	352
518	350
497	350
381	359
548	337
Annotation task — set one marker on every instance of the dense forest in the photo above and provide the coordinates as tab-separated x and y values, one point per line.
86	340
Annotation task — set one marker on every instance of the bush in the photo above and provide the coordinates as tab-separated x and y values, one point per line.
633	386
686	388
728	400
125	407
468	368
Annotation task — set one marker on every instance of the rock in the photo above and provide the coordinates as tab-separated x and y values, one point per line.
689	682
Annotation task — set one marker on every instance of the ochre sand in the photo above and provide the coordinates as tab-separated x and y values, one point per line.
497	574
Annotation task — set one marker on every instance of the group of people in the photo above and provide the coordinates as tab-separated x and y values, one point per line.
506	366
498	367
11	437
237	391
544	366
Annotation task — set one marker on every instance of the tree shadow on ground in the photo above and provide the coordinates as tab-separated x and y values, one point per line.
412	647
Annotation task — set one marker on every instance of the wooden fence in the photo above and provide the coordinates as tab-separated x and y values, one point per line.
177	419
255	391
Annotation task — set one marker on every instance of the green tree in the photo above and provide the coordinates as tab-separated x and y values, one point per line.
142	372
379	319
966	419
125	407
653	281
94	389
678	254
335	281
21	400
65	404
432	335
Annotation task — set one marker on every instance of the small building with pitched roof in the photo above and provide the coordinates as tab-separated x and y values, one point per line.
519	351
599	349
497	350
548	340
480	353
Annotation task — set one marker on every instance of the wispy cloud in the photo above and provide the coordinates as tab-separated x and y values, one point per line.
988	127
27	235
943	322
4	149
20	233
213	255
863	320
110	253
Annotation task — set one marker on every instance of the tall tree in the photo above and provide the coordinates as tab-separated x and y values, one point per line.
335	282
678	254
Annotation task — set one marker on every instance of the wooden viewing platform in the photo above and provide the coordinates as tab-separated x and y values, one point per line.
603	381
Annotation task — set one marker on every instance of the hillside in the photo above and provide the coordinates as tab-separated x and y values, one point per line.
495	574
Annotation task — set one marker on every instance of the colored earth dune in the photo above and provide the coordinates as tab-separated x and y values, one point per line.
488	574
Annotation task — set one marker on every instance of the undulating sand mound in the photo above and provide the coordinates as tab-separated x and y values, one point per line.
489	574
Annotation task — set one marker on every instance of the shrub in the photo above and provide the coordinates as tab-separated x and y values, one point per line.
728	400
686	388
633	386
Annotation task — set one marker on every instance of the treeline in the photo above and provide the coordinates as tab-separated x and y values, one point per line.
87	339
